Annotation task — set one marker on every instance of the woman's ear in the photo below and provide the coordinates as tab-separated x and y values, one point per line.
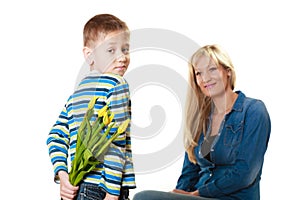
87	53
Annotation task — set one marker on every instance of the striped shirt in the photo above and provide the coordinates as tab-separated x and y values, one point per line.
117	169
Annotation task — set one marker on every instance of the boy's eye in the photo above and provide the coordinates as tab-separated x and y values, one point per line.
125	50
111	50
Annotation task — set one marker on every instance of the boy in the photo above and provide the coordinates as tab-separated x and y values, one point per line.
106	50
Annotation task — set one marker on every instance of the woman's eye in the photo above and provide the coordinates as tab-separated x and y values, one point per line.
212	69
198	73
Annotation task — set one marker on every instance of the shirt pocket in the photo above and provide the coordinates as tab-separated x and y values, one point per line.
233	134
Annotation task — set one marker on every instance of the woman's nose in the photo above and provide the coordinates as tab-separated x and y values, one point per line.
205	77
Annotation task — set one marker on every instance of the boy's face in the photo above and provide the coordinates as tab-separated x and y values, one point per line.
111	53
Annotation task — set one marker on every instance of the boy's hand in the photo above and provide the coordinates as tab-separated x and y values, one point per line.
110	197
67	191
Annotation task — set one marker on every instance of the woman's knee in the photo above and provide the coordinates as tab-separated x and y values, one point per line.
143	195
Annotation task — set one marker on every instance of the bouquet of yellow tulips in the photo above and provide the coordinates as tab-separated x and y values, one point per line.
92	144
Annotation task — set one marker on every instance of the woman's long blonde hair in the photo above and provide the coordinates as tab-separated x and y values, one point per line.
198	106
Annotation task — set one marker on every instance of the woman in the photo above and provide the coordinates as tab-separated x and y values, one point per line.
226	135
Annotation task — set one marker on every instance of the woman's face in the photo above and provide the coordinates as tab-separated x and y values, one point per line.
213	80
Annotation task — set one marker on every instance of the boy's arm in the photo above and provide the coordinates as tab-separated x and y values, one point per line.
58	143
116	157
128	176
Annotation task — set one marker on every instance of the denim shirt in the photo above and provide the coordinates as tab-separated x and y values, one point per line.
237	155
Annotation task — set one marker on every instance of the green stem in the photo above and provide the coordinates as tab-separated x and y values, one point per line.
87	136
96	123
79	144
102	139
109	142
95	136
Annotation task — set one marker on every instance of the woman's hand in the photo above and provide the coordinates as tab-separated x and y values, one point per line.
67	191
194	193
110	197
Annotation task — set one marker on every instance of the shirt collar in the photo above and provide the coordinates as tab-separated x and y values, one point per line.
238	105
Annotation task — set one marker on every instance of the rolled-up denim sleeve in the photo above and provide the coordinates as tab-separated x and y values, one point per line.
189	175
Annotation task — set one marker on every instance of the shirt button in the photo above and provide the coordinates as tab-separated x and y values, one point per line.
212	149
210	174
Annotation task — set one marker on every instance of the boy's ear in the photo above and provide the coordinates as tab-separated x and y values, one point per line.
228	72
87	52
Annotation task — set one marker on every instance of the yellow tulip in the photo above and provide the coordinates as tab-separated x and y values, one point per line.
102	111
106	119
90	149
123	126
92	102
111	117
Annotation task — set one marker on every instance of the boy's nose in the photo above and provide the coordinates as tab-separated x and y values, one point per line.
121	57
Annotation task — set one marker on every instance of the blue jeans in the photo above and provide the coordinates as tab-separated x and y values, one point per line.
158	195
88	191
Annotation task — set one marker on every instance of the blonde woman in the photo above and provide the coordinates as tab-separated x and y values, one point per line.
226	135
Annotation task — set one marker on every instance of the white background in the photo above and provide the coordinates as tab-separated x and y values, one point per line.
41	56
